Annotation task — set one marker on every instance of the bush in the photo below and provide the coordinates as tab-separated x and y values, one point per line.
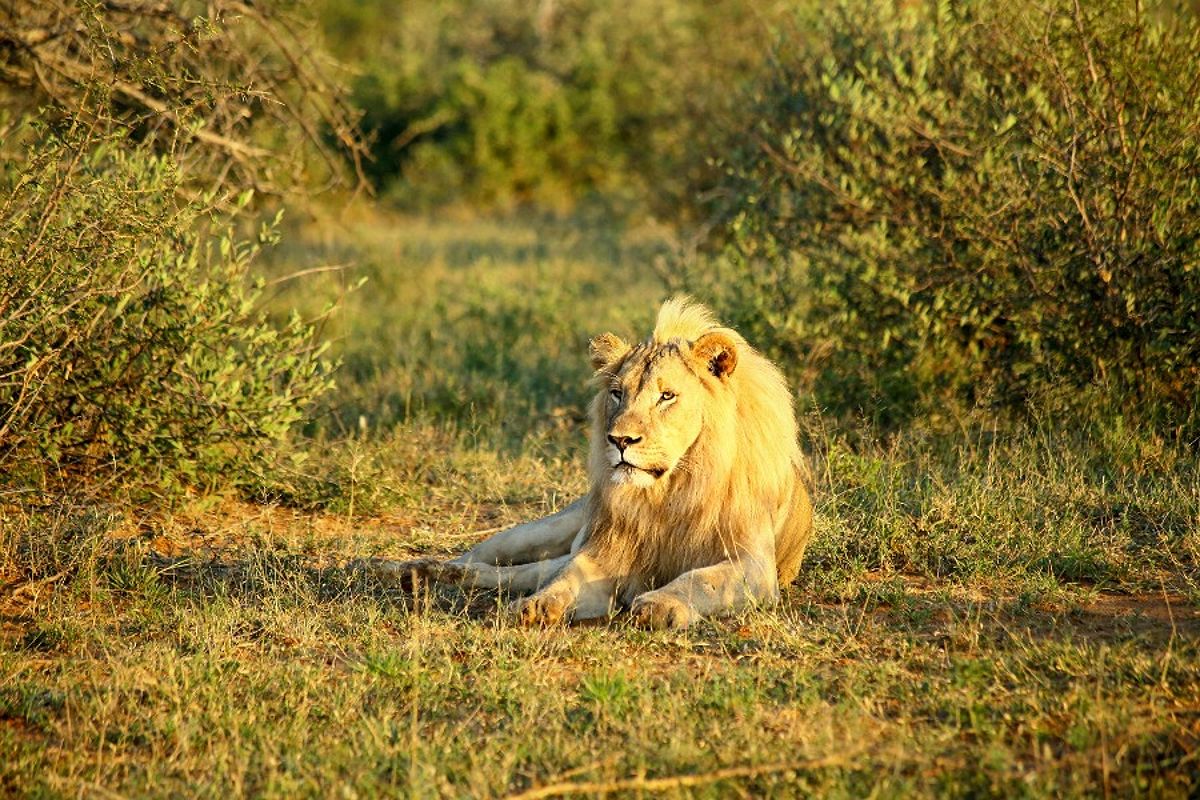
502	103
131	347
235	91
973	200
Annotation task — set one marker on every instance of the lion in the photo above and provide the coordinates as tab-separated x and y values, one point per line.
697	502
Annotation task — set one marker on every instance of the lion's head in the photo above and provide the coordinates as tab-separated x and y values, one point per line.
692	404
654	400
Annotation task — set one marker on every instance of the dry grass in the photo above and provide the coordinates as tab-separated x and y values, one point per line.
248	662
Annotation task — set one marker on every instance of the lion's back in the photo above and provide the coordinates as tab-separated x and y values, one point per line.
770	453
794	532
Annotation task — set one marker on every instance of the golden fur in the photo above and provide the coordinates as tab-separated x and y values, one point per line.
741	475
697	502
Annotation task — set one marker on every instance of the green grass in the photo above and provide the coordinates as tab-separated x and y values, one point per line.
1009	610
484	325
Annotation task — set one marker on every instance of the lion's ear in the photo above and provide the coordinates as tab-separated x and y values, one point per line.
605	349
718	352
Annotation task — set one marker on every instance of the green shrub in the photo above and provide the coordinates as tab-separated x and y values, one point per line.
131	347
974	201
501	103
237	92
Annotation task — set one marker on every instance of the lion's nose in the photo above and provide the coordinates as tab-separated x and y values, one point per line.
623	441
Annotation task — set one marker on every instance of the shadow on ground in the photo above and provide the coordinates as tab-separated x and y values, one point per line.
924	609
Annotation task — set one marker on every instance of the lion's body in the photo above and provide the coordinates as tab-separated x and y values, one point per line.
743	476
697	503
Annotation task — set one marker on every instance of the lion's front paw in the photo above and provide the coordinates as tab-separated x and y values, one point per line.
543	608
447	572
659	610
405	575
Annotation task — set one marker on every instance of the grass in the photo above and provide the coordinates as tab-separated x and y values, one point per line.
484	325
995	613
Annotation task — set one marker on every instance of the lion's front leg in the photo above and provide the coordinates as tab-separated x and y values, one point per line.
719	589
519	559
518	578
584	589
529	542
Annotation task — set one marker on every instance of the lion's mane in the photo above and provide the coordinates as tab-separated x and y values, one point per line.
744	476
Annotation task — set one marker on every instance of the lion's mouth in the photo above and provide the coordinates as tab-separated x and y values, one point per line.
656	472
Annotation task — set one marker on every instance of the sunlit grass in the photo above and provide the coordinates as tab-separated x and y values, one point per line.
1011	610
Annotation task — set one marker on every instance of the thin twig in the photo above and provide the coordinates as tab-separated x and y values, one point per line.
301	273
33	586
644	784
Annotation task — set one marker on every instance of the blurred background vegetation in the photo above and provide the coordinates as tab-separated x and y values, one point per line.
500	104
935	216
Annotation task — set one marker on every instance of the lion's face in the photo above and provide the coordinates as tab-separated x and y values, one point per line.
654	401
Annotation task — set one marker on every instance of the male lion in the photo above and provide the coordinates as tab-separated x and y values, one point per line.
697	503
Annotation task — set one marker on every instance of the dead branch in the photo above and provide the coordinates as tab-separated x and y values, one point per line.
238	92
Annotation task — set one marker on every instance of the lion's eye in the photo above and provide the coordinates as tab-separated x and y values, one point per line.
615	394
666	397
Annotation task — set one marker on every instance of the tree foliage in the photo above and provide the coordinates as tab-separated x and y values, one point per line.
234	90
132	349
500	103
974	200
